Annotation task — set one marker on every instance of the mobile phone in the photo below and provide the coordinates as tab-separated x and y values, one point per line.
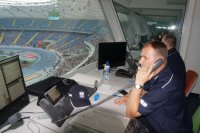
123	92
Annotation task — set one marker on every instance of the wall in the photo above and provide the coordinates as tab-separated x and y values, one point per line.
190	43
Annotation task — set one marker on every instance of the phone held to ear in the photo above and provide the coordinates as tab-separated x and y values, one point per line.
157	64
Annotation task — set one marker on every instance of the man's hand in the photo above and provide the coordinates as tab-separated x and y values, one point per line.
121	100
143	75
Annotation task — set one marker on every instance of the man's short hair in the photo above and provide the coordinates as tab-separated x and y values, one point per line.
171	39
159	47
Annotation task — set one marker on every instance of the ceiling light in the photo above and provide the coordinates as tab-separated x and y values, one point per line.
26	2
173	27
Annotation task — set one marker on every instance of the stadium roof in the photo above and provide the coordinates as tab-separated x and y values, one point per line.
74	9
26	2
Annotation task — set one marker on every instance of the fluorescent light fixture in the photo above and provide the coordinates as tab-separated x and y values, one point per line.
26	2
151	23
173	27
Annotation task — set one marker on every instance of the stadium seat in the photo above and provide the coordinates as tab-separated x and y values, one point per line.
191	78
196	120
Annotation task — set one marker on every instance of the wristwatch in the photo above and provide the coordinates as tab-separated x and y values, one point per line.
138	86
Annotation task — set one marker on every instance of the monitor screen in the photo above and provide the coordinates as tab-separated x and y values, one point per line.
13	96
113	52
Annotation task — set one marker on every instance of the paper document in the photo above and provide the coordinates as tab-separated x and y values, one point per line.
107	89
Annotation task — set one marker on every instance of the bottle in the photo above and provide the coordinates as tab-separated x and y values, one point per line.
106	71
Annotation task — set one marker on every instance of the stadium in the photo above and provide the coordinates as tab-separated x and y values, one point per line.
49	38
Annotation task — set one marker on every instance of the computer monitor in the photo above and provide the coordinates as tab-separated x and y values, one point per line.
113	52
13	95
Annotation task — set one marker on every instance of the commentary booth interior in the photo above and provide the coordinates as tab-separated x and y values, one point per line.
62	37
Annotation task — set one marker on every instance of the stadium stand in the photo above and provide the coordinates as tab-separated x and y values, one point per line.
64	36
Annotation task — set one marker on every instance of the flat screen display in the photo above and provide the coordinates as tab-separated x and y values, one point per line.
113	52
11	71
13	95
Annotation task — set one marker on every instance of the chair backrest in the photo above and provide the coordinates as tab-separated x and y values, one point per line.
191	78
196	120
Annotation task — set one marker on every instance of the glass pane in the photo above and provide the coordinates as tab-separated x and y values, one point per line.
52	37
144	21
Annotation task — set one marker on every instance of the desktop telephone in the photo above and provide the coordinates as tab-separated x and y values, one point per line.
56	105
39	88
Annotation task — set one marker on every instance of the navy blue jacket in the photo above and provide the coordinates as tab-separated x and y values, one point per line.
164	105
177	65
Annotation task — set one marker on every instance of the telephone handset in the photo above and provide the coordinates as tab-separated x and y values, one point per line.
157	64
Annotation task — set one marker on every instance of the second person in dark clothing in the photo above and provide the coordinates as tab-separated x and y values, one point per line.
174	60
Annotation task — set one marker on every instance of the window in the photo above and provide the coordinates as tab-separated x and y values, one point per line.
142	21
52	38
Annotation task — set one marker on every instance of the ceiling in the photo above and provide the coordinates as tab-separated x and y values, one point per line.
160	11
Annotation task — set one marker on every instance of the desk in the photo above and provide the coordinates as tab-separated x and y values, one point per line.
107	118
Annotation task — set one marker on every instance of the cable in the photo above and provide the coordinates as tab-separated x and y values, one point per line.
43	125
128	47
131	63
29	127
129	54
31	112
30	121
35	122
33	100
100	102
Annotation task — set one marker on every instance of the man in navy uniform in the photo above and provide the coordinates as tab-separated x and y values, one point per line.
162	108
174	60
